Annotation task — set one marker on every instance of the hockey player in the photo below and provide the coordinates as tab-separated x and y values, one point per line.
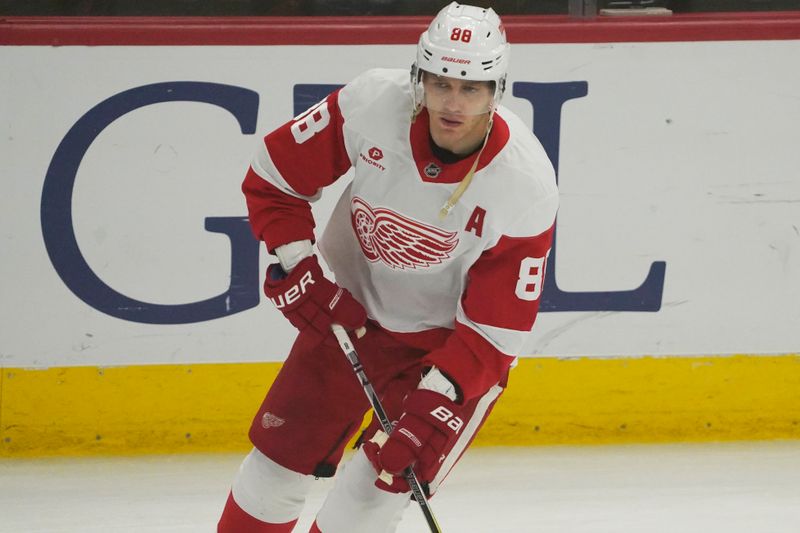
438	247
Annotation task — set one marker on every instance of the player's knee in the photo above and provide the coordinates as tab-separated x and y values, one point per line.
268	491
356	505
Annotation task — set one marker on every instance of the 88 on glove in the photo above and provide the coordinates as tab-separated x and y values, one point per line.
448	417
429	425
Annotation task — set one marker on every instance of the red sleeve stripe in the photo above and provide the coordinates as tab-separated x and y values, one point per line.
275	217
470	361
263	165
504	285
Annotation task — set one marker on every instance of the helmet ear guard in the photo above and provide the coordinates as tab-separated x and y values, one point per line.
500	88
417	91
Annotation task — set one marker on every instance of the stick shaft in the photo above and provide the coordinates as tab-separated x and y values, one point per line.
416	489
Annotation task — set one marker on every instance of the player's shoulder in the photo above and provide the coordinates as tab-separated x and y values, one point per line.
524	160
384	76
529	193
375	88
524	156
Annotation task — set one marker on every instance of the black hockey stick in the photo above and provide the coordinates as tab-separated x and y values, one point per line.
416	489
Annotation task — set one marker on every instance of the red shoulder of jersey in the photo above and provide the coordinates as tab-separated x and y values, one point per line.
309	151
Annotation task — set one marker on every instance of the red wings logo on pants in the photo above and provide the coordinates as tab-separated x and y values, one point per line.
398	241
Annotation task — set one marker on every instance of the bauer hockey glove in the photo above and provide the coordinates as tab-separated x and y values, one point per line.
429	424
310	301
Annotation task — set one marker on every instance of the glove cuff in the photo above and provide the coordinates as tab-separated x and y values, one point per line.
290	255
435	381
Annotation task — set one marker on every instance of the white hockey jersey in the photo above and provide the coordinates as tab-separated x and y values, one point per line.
473	278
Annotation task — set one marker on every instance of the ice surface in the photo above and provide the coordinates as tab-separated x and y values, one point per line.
676	488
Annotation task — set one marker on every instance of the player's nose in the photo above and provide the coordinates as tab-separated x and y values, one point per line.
453	103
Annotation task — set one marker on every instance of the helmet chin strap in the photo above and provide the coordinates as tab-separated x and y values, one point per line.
467	179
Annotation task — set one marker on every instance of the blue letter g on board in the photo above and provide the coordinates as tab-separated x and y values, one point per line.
56	211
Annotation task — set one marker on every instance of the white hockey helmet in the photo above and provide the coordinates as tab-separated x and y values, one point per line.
465	42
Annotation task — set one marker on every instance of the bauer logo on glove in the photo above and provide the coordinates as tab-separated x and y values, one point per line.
310	301
294	292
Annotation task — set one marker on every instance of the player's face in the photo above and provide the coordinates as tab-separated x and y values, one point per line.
458	110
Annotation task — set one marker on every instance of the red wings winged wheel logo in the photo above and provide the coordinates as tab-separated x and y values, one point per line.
398	241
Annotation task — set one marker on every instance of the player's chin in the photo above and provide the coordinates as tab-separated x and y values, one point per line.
446	138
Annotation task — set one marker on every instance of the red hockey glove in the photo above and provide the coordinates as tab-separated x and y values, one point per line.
430	423
309	300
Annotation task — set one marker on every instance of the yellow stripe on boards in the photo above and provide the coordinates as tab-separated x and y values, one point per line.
649	399
208	407
132	409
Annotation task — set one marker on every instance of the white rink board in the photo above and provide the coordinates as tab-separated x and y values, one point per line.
681	152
